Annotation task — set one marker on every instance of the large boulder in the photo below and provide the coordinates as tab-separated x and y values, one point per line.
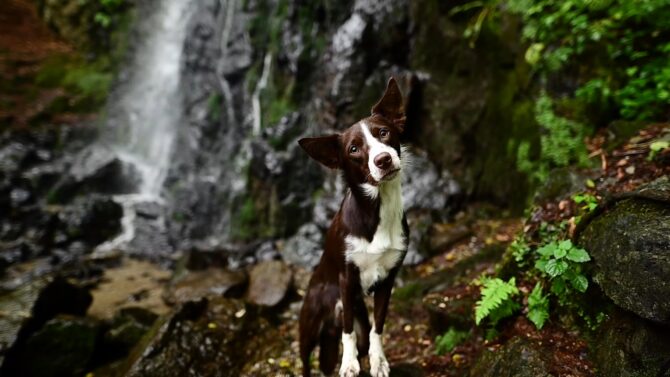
269	283
627	346
630	244
214	337
27	308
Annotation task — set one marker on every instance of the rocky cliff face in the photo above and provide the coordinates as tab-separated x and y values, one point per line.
258	75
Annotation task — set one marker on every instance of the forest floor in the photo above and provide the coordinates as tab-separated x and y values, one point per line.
26	46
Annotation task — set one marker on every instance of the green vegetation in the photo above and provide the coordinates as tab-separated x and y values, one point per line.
538	307
449	340
497	301
108	11
561	262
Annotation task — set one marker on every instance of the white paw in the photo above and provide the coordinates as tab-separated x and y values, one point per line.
350	368
379	366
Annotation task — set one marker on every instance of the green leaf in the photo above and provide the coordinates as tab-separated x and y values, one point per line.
565	245
496	293
538	307
556	267
559	253
449	340
578	255
579	282
558	287
547	250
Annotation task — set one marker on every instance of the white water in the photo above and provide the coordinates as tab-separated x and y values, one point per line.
146	110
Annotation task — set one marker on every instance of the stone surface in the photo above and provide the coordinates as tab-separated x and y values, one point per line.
450	308
517	358
214	337
269	283
305	247
627	346
27	307
214	282
62	347
632	240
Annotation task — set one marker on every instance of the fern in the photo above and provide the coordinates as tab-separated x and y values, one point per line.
538	307
447	342
496	301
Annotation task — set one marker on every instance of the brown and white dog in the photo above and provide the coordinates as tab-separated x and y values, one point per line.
365	245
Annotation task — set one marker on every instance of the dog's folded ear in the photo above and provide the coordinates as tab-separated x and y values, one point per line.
390	106
325	149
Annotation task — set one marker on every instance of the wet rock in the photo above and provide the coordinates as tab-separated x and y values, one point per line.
418	250
517	358
560	183
96	170
62	347
304	248
451	308
424	187
128	326
214	337
269	283
26	308
213	282
628	346
630	240
93	219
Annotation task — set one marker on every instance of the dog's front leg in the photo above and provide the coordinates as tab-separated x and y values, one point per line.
379	366
349	281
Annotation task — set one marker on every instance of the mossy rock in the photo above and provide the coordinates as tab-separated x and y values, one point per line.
630	241
517	358
628	346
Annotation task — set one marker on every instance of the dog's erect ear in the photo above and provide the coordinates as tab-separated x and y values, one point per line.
390	106
325	149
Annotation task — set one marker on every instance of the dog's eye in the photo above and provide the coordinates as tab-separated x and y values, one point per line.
353	149
383	132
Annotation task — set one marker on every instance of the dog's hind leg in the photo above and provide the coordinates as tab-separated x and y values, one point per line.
329	347
309	326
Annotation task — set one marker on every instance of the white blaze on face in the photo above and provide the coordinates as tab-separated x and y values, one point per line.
375	148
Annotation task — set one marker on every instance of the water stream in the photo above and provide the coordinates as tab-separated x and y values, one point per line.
145	110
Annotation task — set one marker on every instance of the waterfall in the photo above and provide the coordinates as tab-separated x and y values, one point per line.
146	109
143	116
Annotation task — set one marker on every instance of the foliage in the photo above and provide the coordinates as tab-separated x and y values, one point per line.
519	249
588	202
561	262
561	142
628	39
659	146
106	12
538	307
497	300
449	340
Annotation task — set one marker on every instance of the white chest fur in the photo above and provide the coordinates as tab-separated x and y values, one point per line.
376	258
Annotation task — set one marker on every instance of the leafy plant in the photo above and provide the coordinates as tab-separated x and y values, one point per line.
561	142
562	262
588	202
519	249
538	307
657	147
449	340
497	300
108	8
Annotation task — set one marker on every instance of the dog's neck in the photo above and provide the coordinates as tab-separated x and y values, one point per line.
375	209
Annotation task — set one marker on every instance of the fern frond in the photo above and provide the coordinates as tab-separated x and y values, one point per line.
495	292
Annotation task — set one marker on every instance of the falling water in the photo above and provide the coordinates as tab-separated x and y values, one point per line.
145	110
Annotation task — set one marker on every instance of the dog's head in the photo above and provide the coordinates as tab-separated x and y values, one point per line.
368	152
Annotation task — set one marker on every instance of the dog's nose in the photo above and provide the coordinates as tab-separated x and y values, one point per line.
383	160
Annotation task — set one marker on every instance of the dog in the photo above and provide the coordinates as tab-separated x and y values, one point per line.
365	244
